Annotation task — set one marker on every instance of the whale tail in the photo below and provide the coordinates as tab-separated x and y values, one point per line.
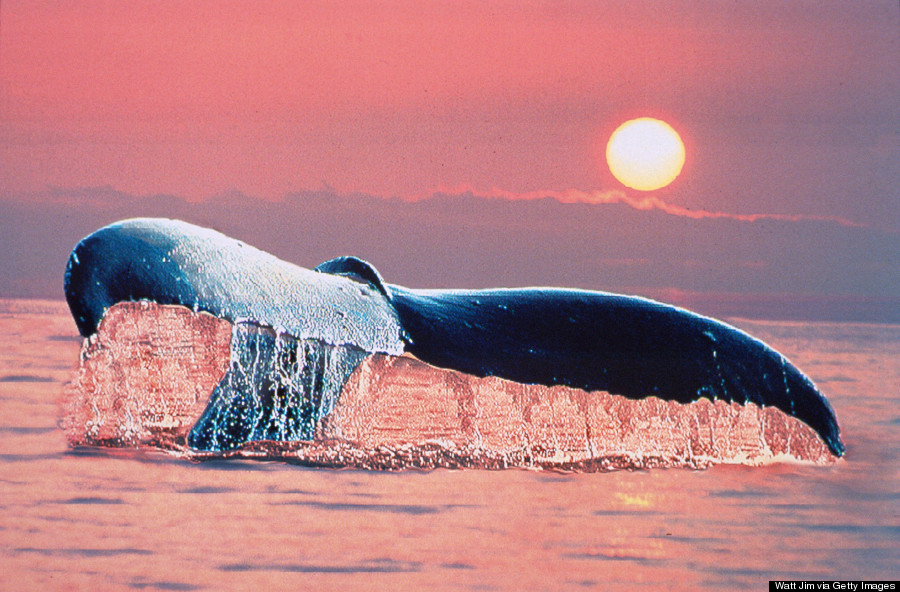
596	341
592	341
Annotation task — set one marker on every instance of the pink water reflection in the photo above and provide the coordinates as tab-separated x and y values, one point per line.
95	519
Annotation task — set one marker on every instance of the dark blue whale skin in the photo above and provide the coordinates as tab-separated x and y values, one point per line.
121	265
594	341
624	345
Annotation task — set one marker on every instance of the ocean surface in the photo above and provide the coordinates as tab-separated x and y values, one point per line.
112	519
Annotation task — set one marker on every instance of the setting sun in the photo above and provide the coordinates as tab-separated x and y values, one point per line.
645	154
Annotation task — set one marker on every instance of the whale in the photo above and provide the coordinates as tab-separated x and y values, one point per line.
342	310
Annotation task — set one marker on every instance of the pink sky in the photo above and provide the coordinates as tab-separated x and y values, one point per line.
789	110
197	98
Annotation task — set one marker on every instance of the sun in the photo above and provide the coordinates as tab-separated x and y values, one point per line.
645	154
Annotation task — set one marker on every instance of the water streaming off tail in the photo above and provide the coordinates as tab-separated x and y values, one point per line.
278	388
166	377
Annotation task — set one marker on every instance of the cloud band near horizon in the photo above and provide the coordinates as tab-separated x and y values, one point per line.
638	202
643	203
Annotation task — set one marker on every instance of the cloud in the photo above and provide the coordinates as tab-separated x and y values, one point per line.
790	267
107	196
643	203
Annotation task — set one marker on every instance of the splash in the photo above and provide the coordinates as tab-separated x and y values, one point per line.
165	377
145	376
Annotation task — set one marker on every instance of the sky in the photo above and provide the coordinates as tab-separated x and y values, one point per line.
461	144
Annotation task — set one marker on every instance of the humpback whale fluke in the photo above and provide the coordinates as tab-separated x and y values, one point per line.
624	345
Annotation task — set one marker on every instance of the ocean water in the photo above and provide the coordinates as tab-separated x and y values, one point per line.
112	519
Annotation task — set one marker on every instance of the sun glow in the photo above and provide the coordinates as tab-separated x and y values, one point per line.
645	154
